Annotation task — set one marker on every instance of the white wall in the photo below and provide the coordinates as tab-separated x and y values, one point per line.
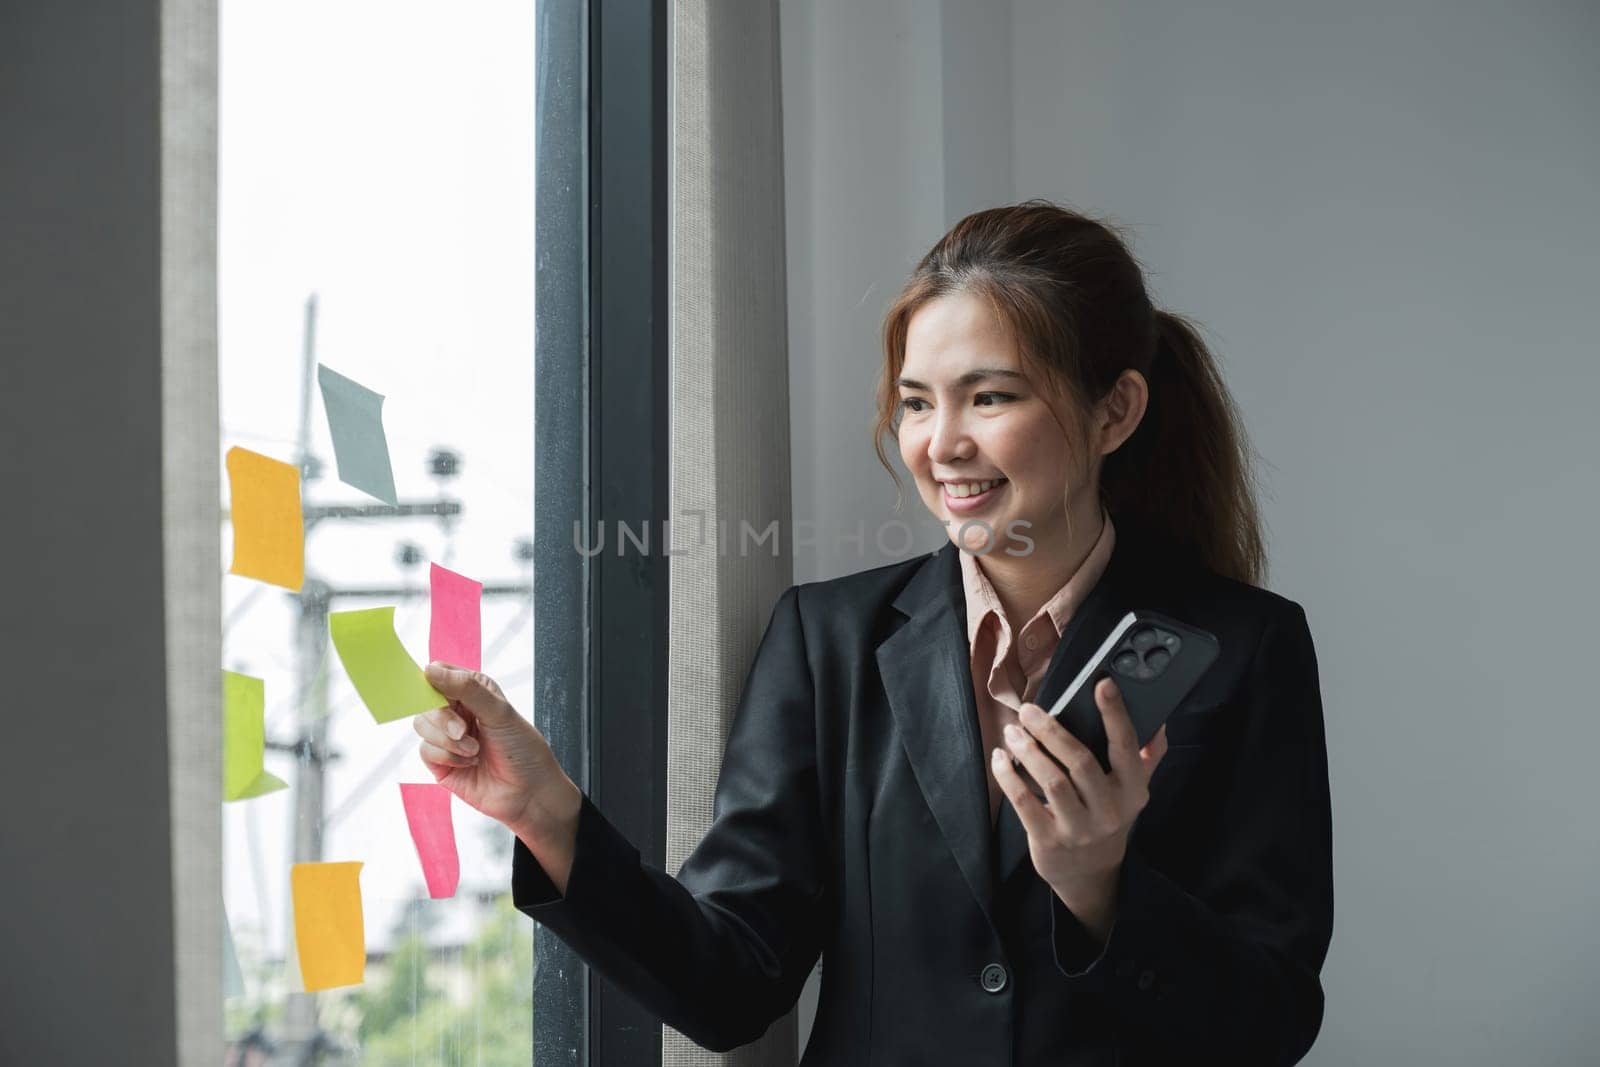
1383	215
890	134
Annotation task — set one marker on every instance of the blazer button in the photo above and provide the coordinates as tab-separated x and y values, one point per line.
1147	979
993	978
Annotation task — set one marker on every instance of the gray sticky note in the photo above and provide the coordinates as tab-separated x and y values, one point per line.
355	418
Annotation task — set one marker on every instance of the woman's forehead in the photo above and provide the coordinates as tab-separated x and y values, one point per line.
955	317
956	333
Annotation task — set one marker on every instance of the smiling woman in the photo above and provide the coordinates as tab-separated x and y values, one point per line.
849	818
1025	348
1018	362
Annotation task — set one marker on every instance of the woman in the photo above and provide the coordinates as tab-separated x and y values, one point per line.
972	908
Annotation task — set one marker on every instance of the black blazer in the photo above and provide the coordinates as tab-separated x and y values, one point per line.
851	819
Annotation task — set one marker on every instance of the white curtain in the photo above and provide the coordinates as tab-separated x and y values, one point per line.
730	409
191	492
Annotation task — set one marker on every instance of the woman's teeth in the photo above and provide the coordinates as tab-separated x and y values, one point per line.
960	490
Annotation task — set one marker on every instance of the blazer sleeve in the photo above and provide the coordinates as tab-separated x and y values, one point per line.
722	950
1231	971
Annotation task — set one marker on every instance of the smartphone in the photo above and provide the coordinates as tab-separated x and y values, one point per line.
1154	659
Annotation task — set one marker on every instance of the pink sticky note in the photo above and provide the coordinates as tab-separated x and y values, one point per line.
428	814
455	635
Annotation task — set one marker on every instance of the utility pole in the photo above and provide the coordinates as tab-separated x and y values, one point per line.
303	1039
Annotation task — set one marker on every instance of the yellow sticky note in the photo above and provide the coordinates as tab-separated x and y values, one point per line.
389	681
269	531
329	935
244	739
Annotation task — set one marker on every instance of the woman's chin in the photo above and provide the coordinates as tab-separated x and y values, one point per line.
979	535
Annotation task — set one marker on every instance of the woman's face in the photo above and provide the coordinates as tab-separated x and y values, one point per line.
969	419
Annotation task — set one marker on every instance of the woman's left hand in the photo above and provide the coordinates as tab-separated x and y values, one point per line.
1078	832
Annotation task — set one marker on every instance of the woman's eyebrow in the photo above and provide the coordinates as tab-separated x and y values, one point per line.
972	377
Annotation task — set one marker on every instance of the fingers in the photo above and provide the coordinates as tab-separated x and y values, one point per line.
448	722
446	732
1031	811
1021	771
476	691
1058	741
1151	754
435	756
1064	768
1122	739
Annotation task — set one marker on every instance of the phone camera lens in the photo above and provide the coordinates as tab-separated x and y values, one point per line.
1127	662
1144	638
1157	658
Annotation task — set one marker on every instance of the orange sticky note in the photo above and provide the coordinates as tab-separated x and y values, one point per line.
269	531
329	935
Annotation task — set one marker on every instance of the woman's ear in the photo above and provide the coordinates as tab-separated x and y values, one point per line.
1121	411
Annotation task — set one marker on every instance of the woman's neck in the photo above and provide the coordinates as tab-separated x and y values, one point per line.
1024	584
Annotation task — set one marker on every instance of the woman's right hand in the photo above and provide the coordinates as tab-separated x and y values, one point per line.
485	753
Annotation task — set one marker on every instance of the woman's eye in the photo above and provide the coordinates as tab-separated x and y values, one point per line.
992	398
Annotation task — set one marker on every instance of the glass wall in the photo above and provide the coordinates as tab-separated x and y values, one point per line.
377	222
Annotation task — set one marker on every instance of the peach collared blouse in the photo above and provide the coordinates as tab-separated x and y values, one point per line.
1007	668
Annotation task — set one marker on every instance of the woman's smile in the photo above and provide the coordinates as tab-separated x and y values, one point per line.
974	502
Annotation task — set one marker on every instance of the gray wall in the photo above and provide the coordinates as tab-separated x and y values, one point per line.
109	881
1383	215
88	965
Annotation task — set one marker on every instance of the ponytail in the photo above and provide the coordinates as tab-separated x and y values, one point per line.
1186	472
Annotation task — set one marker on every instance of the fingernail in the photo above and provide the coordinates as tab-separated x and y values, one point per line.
998	757
456	729
1031	712
1012	733
471	745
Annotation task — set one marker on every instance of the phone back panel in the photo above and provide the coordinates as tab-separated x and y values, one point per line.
1155	661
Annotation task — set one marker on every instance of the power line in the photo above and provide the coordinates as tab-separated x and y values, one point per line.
302	1034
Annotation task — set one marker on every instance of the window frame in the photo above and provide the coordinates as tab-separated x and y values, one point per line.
601	351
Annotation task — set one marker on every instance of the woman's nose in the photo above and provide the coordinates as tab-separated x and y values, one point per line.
950	440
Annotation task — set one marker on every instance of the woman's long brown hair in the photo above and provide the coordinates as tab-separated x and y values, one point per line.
1072	298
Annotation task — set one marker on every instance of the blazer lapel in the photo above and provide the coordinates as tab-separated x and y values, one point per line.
926	670
1135	577
926	667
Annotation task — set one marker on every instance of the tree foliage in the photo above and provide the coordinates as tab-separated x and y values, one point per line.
485	1019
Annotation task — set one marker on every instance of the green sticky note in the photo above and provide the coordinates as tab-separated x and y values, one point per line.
390	683
244	739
